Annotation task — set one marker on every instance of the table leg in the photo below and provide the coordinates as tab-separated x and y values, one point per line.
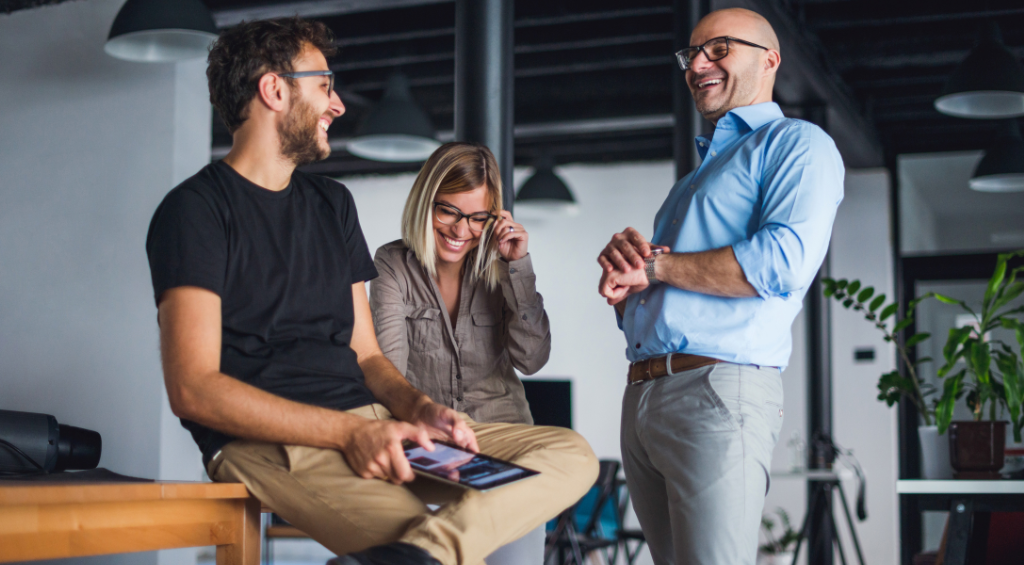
959	532
246	549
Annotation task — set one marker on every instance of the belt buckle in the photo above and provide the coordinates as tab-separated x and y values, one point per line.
650	361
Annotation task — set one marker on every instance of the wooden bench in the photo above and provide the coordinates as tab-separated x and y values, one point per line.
50	521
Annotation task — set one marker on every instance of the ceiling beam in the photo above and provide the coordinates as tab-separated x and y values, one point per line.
310	9
527	49
806	76
831	24
547	129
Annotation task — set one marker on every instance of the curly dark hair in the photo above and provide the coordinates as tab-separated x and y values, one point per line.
246	52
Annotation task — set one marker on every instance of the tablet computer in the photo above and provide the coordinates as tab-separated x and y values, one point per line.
454	465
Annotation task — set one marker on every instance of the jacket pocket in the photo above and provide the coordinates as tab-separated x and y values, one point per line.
424	325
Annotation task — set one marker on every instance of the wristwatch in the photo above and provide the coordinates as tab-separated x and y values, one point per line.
649	267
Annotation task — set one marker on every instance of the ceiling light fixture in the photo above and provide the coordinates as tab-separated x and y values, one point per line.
1002	167
988	84
397	130
159	31
546	191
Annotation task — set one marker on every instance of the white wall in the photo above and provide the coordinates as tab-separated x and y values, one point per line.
862	249
89	146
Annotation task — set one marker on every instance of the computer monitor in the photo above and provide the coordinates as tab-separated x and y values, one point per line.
550	401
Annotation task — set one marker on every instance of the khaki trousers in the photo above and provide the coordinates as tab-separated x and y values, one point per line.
315	490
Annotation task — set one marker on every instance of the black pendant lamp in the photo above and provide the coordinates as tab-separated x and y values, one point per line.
158	31
988	84
1002	167
397	130
545	190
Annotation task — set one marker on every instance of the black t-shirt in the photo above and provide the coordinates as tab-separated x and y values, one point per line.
283	264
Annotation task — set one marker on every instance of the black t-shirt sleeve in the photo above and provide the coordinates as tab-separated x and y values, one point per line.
187	243
358	251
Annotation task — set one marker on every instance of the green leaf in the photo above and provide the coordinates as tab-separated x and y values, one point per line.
953	301
995	281
892	386
923	360
1010	293
852	288
980	359
916	339
828	281
944	409
957	337
848	302
829	291
866	294
842	284
902	324
876	302
888	311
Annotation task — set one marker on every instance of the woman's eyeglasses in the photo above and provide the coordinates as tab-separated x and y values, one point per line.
450	215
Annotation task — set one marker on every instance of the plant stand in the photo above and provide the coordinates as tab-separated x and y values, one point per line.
822	501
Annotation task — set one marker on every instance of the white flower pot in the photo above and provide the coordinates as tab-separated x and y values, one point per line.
784	558
934	454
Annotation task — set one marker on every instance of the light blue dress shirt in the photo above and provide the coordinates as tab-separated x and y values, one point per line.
769	186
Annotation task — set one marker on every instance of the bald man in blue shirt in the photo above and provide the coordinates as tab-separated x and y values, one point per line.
707	304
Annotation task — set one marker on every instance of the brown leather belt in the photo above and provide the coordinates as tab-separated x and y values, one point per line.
657	367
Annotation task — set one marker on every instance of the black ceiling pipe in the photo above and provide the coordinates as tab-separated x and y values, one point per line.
484	81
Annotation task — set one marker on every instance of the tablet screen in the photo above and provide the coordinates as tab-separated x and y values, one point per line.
472	470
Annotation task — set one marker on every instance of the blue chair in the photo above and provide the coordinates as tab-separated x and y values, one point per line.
592	524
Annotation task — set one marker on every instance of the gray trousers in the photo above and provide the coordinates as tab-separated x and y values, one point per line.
696	449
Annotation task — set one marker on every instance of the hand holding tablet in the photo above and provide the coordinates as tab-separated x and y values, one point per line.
470	470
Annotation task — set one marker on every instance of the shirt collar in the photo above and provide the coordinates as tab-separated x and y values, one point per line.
748	118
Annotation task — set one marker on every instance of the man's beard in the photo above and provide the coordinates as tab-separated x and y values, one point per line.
299	136
745	81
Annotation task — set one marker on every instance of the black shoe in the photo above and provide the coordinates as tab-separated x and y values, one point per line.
395	553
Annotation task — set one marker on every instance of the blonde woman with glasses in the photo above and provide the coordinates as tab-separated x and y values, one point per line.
455	306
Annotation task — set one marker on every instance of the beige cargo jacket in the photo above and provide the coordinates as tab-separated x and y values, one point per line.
470	368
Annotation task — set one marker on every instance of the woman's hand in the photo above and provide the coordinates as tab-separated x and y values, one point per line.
512	238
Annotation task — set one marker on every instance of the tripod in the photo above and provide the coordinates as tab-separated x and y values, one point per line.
822	501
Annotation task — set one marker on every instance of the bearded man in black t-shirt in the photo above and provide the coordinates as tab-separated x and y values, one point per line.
269	353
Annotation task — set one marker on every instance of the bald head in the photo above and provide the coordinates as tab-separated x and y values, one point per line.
736	72
735	22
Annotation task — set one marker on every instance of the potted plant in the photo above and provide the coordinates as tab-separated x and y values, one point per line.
903	382
777	548
976	446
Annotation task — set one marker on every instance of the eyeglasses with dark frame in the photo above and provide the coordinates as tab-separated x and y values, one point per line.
304	74
714	49
450	215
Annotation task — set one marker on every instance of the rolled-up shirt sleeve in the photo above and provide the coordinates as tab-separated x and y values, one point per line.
802	186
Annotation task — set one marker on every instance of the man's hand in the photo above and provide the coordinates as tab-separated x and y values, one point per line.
443	423
616	285
374	449
627	251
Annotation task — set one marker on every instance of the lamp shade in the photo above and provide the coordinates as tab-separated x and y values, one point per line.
157	31
545	190
1002	167
988	84
397	130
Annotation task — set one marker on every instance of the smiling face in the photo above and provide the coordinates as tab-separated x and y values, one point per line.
303	131
455	241
742	78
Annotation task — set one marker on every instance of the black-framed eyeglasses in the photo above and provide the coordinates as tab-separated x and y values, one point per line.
304	74
450	215
714	49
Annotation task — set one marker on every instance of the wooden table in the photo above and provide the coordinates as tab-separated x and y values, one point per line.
48	521
970	504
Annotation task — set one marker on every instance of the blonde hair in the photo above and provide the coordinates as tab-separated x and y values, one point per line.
453	168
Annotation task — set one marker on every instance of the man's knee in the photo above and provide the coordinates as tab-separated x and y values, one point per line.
584	466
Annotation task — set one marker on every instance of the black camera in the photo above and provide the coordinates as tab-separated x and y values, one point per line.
35	443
